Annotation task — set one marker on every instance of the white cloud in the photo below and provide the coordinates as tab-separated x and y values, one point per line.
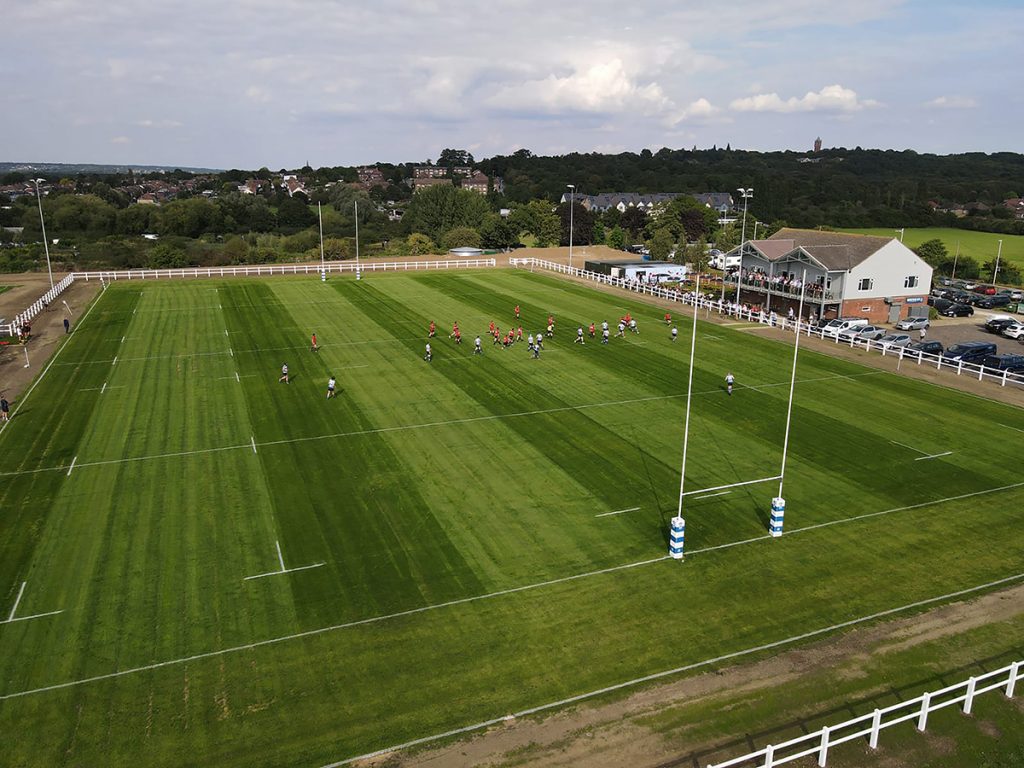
257	94
165	123
120	140
952	102
602	87
831	98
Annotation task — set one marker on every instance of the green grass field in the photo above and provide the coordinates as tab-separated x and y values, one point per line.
460	510
978	245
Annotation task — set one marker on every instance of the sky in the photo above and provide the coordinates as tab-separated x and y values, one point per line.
282	83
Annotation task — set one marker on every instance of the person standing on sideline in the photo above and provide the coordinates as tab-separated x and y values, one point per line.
429	356
330	386
477	349
923	333
5	409
675	332
284	374
729	381
67	325
312	344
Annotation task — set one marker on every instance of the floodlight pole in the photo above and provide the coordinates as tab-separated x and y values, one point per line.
746	193
995	272
792	380
955	257
572	202
689	394
323	268
46	244
356	204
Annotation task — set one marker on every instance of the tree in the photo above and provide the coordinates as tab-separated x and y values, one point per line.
932	251
661	244
419	244
582	224
616	238
697	255
438	209
633	221
496	232
189	218
165	256
727	238
1008	271
461	237
293	214
452	157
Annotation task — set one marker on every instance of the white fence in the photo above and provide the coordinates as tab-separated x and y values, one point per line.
283	269
30	313
819	743
714	304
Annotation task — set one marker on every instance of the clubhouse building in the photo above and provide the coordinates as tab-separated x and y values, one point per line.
842	275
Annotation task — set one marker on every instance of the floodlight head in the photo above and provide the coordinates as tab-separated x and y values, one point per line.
571	186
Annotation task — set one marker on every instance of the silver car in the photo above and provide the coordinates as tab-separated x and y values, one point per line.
912	324
893	340
872	332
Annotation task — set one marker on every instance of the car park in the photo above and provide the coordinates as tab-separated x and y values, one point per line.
1014	295
969	352
957	310
987	290
912	323
1014	330
940	304
893	340
961	297
1011	363
930	347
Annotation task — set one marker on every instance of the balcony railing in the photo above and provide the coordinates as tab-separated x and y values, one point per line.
814	293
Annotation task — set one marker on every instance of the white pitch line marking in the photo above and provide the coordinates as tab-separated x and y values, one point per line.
287	570
1013	428
115	360
135	310
237	377
501	593
17	600
225	331
122	339
933	456
252	439
710	495
617	512
231	351
104	388
72	465
280	557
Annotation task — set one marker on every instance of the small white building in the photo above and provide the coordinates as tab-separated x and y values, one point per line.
841	275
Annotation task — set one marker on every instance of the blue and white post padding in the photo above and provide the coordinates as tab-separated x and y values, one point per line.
778	514
675	538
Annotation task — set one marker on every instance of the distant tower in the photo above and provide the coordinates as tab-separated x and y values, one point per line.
817	144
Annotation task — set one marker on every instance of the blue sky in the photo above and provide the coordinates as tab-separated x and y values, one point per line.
282	82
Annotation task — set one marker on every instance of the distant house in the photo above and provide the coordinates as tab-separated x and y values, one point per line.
439	171
419	184
254	186
622	201
1016	206
478	182
370	176
148	198
841	275
293	186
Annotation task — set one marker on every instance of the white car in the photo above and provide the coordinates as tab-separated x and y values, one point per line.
1014	331
912	324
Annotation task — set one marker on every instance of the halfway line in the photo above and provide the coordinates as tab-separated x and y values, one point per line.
617	512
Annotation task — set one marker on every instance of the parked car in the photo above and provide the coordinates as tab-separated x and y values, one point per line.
1011	363
968	285
991	302
872	332
841	324
943	281
962	297
987	290
940	304
969	352
1014	295
999	323
957	310
1014	330
927	347
912	323
893	340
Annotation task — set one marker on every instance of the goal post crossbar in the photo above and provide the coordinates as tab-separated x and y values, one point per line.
732	485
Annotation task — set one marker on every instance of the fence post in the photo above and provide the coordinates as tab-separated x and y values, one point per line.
1003	382
922	721
823	753
1013	679
769	756
959	367
969	698
876	726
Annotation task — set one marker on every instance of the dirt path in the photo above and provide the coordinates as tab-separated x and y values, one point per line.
608	736
47	327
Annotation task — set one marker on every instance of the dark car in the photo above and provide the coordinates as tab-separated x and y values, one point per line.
999	324
957	310
926	347
939	304
1011	363
962	297
991	302
969	352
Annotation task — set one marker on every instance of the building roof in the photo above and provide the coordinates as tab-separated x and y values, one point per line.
833	250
